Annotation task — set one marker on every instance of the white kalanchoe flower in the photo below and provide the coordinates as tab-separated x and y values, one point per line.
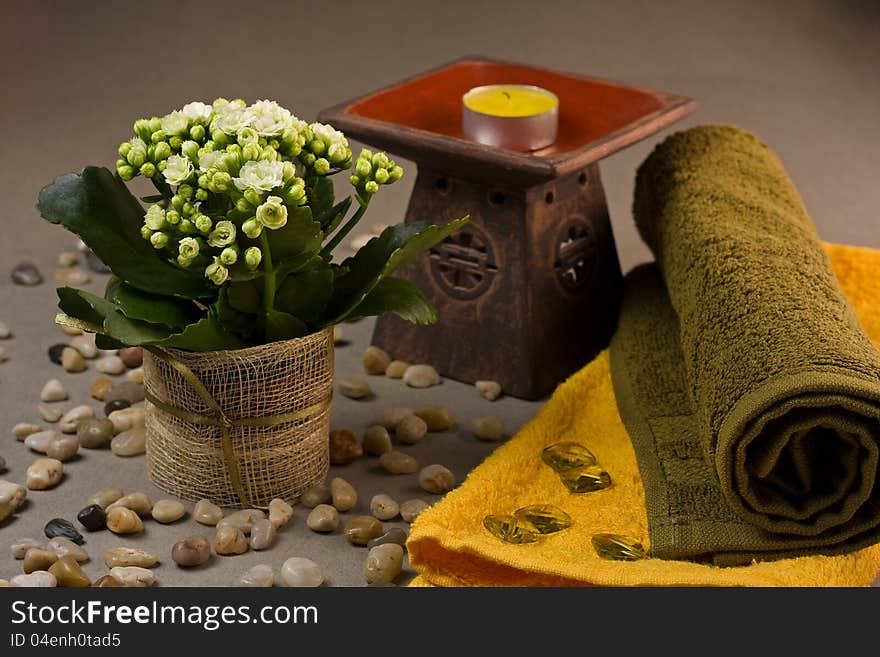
222	235
252	257
229	116
272	214
261	176
175	123
216	272
268	118
177	170
188	248
155	218
208	159
197	112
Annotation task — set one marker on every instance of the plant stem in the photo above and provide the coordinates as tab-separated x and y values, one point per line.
346	229
268	275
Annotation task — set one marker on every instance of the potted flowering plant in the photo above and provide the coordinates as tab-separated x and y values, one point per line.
228	279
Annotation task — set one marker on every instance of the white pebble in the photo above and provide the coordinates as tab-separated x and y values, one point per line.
110	365
19	547
24	429
133	575
421	376
40	441
74	416
41	579
44	473
300	572
53	391
353	387
384	507
85	344
259	576
64	547
49	414
490	390
127	418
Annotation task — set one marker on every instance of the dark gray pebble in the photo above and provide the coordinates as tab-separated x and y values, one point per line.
92	518
115	405
62	527
393	535
26	273
55	352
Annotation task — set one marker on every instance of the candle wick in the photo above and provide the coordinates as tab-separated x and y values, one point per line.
506	94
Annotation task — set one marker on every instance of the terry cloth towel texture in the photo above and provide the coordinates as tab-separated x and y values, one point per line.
748	386
448	545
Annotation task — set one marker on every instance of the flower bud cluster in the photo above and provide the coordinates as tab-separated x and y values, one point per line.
227	171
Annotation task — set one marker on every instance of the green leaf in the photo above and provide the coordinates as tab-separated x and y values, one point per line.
305	295
284	326
320	194
106	342
154	308
395	247
88	307
331	219
155	198
243	296
398	296
205	335
247	326
301	234
97	206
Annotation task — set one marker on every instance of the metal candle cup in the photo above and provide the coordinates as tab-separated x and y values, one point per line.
517	117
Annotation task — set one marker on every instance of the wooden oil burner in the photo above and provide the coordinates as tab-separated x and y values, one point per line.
528	291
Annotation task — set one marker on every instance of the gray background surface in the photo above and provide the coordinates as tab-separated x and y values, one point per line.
802	74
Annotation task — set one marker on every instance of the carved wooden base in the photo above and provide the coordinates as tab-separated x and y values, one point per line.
527	292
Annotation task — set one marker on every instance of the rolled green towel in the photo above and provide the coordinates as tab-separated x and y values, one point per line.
750	390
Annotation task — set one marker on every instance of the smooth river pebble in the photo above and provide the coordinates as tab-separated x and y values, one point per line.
140	503
230	540
64	547
383	563
191	551
53	391
39	579
207	513
122	520
44	473
301	572
384	507
375	360
125	556
323	518
398	463
259	576
343	494
360	529
92	518
280	513
344	447
134	576
315	495
130	442
377	440
421	376
62	527
411	509
437	479
94	433
489	428
393	535
110	365
438	418
411	429
167	511
71	419
262	534
353	387
72	361
12	496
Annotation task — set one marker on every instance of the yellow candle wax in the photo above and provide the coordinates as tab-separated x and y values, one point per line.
510	100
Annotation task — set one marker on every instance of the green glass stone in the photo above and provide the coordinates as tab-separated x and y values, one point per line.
511	529
617	547
585	480
546	518
567	455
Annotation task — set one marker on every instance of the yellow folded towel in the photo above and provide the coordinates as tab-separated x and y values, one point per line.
448	545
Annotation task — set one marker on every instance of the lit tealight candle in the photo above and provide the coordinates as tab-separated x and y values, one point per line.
519	117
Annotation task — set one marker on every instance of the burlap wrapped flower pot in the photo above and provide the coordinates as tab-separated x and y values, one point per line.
240	427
